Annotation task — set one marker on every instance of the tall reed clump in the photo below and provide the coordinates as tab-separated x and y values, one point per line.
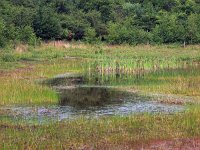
182	81
135	65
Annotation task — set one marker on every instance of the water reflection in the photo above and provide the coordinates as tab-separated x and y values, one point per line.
91	96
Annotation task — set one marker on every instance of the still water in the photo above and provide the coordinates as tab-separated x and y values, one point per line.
90	102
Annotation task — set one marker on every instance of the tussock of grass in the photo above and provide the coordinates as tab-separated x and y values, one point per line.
16	91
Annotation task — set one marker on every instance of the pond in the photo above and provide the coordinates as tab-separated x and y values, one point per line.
79	97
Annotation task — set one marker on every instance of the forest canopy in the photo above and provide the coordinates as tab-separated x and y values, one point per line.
111	21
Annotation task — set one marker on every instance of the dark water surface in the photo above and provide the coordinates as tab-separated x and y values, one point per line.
90	102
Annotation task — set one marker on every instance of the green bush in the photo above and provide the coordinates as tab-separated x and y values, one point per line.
169	30
27	35
193	28
126	33
46	24
90	35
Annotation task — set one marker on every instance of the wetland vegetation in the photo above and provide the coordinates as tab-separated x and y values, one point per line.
99	74
166	74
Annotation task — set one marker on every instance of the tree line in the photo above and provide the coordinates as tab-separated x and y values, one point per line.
111	21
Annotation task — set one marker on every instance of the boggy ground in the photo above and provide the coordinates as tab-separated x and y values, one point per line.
18	85
131	132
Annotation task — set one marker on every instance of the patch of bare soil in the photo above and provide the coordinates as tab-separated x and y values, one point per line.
176	144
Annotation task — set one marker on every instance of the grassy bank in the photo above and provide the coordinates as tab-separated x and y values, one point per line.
20	86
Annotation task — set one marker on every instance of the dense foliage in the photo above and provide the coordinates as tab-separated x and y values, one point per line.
113	21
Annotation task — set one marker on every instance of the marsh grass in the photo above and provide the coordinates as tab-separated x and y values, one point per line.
104	133
144	62
21	87
18	86
20	71
18	91
183	81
